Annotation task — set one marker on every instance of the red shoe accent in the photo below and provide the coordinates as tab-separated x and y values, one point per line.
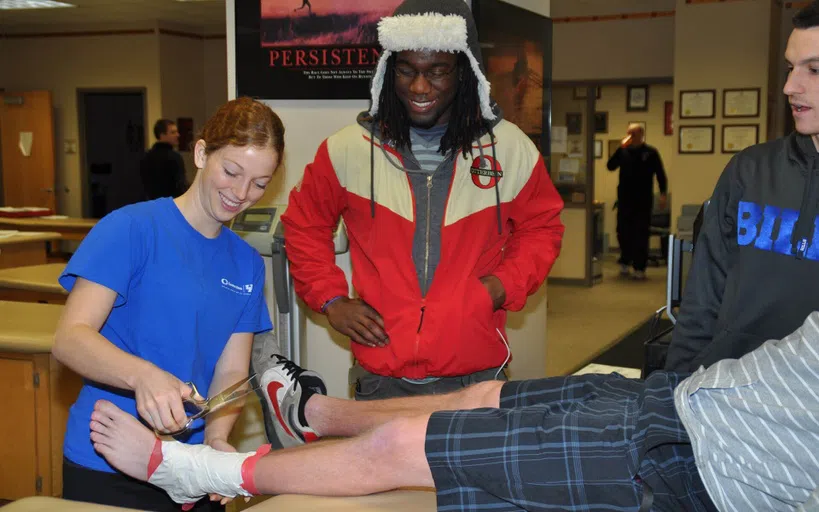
249	468
272	389
156	458
309	437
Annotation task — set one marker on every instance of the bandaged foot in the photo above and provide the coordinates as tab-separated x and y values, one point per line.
185	472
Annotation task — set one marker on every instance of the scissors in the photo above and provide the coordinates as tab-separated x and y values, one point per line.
206	406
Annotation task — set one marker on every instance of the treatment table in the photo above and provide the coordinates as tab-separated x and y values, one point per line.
394	501
19	248
34	283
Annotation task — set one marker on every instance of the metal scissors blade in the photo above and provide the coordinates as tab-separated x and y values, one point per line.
206	406
233	393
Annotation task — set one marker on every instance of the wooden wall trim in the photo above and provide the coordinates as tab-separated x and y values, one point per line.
615	17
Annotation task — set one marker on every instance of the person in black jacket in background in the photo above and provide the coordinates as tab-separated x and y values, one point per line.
162	169
638	163
756	263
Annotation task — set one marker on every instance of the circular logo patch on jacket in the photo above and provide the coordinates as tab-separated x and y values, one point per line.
486	172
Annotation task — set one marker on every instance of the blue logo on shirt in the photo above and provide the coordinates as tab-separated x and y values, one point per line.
756	225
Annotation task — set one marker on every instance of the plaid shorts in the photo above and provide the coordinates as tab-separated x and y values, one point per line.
588	442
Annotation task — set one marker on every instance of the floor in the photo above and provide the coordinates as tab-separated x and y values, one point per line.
583	323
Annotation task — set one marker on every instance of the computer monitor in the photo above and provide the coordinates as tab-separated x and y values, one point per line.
679	253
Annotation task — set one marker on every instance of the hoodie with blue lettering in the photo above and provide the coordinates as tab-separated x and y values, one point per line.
755	271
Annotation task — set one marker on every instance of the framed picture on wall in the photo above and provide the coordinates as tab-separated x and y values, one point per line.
696	139
327	51
601	122
740	102
598	149
699	104
736	137
516	45
636	98
574	123
579	93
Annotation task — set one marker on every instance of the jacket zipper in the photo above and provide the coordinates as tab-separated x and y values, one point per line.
426	247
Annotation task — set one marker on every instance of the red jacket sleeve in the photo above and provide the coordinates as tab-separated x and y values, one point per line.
535	241
312	215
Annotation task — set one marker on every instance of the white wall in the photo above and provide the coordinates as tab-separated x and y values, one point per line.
707	59
307	124
182	76
606	49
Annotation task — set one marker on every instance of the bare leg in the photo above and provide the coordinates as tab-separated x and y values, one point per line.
336	417
390	456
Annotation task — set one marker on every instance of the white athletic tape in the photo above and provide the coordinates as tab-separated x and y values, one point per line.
188	472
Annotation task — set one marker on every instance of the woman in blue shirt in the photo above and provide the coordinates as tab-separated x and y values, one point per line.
161	293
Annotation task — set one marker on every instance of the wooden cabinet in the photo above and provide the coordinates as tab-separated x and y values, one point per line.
37	392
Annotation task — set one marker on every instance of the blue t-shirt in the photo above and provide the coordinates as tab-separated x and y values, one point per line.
180	296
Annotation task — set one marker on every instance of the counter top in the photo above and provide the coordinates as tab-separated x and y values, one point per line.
28	326
25	237
38	278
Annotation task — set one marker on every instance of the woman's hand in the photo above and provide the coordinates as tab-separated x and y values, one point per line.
159	399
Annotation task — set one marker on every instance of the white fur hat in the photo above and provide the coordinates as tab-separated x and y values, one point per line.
437	25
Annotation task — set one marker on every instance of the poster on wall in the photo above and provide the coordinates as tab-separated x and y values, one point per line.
517	50
307	49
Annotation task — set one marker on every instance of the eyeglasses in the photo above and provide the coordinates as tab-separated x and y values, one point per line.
434	75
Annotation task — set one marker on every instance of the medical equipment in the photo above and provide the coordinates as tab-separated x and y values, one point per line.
260	227
206	406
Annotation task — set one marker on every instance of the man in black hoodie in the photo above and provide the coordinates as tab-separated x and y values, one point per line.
639	163
162	169
756	262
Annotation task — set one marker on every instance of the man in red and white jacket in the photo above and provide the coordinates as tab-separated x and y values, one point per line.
450	212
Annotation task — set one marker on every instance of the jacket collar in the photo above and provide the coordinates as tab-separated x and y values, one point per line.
800	149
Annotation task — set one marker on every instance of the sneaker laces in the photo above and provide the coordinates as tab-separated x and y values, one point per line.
290	368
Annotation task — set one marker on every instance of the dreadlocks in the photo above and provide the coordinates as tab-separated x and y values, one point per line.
465	123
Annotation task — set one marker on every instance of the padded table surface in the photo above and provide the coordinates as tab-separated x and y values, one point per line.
23	237
45	504
393	501
58	222
38	278
28	327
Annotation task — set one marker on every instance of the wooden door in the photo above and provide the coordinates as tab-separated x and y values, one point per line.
18	430
27	180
